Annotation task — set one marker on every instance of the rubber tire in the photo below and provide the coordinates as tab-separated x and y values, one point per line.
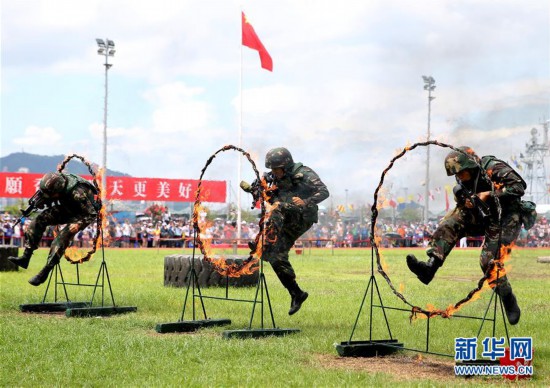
177	272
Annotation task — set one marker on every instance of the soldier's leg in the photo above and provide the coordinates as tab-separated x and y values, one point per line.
284	271
33	235
276	252
497	243
444	239
59	245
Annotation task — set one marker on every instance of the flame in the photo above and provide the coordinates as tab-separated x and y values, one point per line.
399	151
269	234
76	255
451	309
219	263
498	186
497	270
378	241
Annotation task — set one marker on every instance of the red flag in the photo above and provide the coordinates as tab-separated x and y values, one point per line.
446	200
251	40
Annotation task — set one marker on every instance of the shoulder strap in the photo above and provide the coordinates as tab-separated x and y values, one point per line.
296	168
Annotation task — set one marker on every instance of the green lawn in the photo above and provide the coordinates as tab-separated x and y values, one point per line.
125	350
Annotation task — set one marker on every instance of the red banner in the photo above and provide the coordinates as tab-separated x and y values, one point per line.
22	185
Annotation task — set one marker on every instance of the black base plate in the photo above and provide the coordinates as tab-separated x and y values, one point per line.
99	311
52	307
258	333
187	326
368	348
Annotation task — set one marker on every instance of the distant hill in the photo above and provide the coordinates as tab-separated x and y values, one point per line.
41	164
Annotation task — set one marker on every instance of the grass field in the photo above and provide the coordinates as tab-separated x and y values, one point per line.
125	350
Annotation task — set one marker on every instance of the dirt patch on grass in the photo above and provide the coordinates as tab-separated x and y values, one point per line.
400	367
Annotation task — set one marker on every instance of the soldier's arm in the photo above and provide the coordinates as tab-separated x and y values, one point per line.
508	184
82	199
319	189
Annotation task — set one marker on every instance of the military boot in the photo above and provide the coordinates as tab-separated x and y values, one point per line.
23	260
42	276
425	271
297	299
510	303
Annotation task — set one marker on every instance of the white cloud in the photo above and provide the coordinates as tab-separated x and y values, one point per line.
179	109
39	138
346	90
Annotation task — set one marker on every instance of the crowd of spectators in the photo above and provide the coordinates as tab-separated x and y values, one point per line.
175	233
355	234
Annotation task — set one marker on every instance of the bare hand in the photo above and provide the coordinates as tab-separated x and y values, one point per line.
73	228
298	201
484	195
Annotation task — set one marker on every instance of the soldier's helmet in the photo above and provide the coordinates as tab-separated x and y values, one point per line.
53	182
457	161
279	157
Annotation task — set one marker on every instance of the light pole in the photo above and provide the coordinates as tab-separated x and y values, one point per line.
346	199
429	85
107	49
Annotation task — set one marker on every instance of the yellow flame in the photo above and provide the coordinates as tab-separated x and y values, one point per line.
219	263
499	268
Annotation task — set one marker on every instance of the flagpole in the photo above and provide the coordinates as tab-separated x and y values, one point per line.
239	163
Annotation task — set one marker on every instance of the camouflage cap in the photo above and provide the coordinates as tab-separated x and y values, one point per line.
53	182
457	161
278	157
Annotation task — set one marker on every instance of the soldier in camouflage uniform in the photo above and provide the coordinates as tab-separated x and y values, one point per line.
71	201
466	219
299	190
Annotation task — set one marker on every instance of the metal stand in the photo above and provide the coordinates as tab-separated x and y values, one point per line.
79	309
195	324
495	301
184	326
372	348
56	306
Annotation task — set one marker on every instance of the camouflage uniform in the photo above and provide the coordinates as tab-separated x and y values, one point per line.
71	200
462	221
288	221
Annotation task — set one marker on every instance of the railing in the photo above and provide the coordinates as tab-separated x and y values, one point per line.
225	243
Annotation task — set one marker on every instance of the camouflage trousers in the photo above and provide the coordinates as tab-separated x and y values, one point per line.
53	216
462	222
283	228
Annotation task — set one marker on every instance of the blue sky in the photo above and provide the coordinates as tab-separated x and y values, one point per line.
346	91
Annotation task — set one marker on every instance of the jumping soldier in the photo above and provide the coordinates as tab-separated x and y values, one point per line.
299	190
69	200
479	181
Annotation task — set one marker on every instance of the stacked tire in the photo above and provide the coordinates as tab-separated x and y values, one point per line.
5	252
178	270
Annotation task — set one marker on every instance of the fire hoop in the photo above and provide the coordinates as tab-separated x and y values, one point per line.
230	270
450	310
219	264
99	220
102	280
